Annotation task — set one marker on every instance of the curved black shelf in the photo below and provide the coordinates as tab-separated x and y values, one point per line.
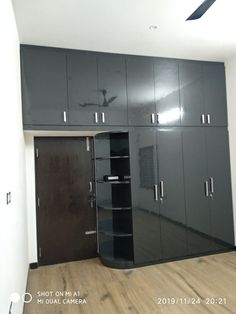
114	182
118	263
106	227
113	207
112	233
112	157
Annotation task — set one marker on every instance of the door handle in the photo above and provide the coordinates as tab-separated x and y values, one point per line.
64	116
152	118
155	192
206	189
208	119
162	189
212	185
90	187
103	117
95	117
90	232
157	118
203	118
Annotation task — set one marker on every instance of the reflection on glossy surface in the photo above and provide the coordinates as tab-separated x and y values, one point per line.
140	88
171	115
106	101
112	92
219	171
146	222
82	87
165	229
172	203
191	92
167	91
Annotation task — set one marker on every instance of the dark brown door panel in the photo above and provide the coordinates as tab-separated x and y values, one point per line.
64	170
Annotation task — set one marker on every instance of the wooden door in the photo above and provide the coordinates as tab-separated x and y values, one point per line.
66	218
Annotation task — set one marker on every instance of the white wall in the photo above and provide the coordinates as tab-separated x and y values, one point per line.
13	227
230	66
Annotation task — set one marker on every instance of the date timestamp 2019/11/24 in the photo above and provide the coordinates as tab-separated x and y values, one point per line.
174	301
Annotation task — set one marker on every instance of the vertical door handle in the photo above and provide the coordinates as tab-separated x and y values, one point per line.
162	189
208	119
152	118
90	187
203	118
157	118
64	116
103	117
212	185
95	117
206	189
155	192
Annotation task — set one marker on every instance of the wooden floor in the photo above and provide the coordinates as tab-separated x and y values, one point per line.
140	290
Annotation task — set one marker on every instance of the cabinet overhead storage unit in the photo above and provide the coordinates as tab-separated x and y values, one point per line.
161	153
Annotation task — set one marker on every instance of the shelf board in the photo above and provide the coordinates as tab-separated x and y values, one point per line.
114	182
112	157
112	207
113	259
115	233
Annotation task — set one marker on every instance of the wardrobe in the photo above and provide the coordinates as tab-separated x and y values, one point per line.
161	153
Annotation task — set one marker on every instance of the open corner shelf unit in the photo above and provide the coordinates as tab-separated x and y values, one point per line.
113	193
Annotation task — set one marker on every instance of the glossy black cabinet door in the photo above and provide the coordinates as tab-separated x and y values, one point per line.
140	89
220	185
167	91
171	198
191	92
215	94
196	190
82	88
112	89
146	217
44	86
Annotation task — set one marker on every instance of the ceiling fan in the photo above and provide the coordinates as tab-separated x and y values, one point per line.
201	10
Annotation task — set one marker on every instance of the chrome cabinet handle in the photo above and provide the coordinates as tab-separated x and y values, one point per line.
158	118
212	185
206	189
208	119
203	118
90	187
155	192
103	117
162	189
152	118
96	117
64	116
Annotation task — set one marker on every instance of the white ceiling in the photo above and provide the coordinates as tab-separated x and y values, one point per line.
122	26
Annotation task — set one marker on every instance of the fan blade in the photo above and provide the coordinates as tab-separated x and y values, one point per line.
201	10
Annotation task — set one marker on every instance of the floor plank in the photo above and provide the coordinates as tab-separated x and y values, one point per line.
111	291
